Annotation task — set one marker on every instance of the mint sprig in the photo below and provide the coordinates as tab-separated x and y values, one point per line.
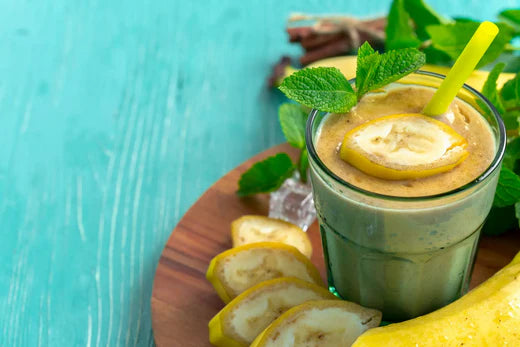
327	89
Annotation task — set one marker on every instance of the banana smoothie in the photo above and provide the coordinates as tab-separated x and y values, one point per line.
404	246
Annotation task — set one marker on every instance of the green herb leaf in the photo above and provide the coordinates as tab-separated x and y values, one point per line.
399	31
511	120
266	175
489	90
293	120
511	90
303	165
511	17
322	88
364	51
508	188
512	154
500	220
517	212
422	15
452	38
377	70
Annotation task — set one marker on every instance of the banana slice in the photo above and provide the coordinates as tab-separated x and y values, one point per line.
245	317
235	270
324	323
403	146
250	229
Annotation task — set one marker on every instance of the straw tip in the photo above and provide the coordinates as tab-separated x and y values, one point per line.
489	27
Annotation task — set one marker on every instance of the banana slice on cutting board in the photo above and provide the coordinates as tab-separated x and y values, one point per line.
403	146
235	270
323	323
252	228
246	316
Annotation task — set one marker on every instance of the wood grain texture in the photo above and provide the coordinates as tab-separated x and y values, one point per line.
114	117
183	301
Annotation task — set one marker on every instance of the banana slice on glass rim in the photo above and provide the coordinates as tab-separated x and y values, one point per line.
403	146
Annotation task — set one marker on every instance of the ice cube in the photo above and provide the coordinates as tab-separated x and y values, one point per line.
293	203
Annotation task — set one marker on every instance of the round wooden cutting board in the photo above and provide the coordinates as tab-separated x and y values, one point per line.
183	301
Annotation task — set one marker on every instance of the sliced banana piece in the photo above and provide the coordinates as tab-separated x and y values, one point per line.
235	270
248	314
403	146
324	323
252	228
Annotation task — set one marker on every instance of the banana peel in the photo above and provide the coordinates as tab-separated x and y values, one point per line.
347	65
489	315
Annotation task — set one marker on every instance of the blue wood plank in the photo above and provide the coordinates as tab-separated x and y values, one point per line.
114	117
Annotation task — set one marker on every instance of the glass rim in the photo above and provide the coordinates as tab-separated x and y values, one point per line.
495	163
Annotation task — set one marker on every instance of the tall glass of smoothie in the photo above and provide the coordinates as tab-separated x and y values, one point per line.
405	247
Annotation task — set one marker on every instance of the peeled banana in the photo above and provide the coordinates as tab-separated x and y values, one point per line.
235	270
238	324
252	228
324	323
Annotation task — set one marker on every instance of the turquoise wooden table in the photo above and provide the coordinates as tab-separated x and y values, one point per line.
114	117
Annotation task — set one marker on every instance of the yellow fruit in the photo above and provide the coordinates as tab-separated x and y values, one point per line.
235	270
403	146
489	315
347	65
245	317
516	260
324	323
250	229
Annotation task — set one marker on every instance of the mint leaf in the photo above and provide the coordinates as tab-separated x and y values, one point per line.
266	175
511	17
452	38
422	15
377	70
303	164
489	90
511	90
512	154
293	120
367	61
511	120
510	103
399	32
364	51
508	188
500	220
322	88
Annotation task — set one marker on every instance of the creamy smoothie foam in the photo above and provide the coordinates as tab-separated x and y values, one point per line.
410	257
